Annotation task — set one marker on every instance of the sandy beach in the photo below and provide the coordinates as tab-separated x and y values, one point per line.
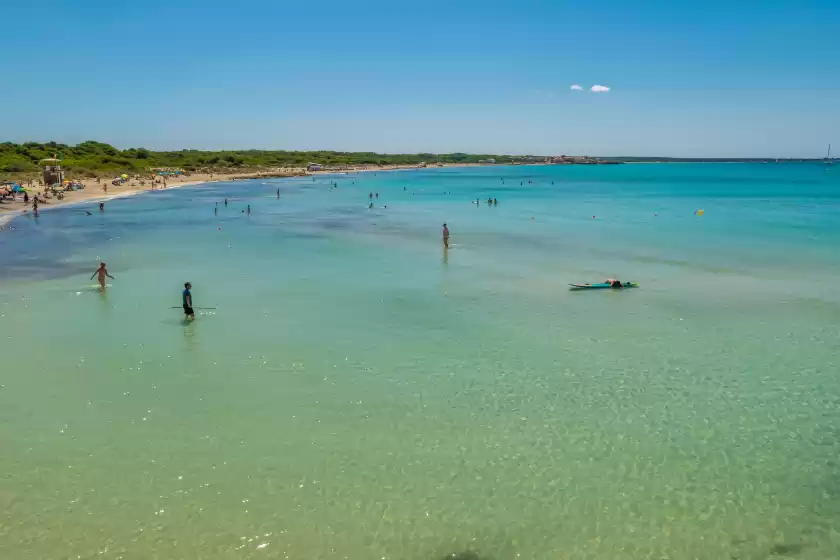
95	192
102	190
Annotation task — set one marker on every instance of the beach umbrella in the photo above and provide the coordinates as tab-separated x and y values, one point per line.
124	176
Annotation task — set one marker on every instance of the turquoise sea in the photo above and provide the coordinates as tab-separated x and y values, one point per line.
360	393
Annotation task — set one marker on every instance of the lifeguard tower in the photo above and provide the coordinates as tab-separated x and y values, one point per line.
53	175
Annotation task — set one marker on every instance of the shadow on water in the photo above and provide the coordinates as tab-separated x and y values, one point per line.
786	549
190	340
103	299
465	555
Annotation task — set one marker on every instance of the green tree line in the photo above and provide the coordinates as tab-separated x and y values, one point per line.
94	159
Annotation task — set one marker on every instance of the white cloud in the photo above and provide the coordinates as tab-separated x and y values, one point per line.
599	89
576	87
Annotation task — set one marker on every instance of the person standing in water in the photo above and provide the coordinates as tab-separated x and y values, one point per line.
249	209
101	206
225	202
278	193
187	299
445	236
102	271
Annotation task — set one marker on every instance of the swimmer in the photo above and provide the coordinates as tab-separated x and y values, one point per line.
102	272
225	202
101	206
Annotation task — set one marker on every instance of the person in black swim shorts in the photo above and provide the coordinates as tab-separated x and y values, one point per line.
187	296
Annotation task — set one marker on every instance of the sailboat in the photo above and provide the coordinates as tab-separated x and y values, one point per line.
828	156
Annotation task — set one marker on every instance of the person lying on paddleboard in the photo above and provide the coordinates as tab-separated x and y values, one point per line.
614	283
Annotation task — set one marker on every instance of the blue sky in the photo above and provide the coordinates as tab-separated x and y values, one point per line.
739	78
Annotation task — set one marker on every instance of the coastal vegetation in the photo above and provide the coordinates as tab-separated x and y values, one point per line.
95	159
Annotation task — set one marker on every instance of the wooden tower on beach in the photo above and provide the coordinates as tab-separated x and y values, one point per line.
53	173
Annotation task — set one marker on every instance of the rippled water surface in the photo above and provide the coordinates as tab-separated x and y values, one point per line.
360	393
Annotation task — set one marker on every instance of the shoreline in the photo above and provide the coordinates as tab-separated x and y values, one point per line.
132	188
8	215
93	190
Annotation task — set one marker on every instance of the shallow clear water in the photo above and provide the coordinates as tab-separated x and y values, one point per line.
360	393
